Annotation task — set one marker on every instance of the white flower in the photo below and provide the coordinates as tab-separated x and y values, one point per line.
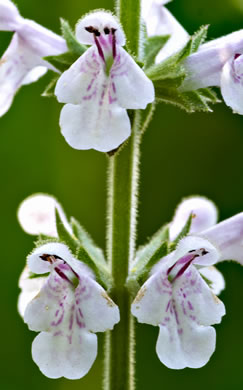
36	215
100	86
159	21
22	62
179	301
219	63
69	308
177	298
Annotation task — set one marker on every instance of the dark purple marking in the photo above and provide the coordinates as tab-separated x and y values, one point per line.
80	312
113	31
180	331
71	322
56	314
62	275
190	305
80	323
100	51
236	56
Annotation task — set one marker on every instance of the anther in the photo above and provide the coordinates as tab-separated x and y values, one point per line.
106	30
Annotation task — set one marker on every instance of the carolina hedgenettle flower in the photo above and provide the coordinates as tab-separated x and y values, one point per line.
176	297
100	86
69	308
219	63
22	62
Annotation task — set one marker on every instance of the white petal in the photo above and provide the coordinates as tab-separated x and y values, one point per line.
99	20
9	16
90	126
34	75
204	215
82	80
152	299
57	357
232	84
39	266
159	21
192	349
36	215
217	283
29	289
227	236
15	64
132	87
99	311
204	67
192	243
40	40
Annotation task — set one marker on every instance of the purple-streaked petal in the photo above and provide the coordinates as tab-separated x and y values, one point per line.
99	20
159	21
131	86
227	236
216	279
204	67
64	356
82	81
193	348
10	18
97	126
98	310
36	215
204	215
232	83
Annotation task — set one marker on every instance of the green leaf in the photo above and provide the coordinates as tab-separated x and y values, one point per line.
146	257
87	243
191	101
50	88
63	61
198	39
65	236
72	43
152	47
102	274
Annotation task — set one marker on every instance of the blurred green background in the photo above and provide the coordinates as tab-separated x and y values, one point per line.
181	155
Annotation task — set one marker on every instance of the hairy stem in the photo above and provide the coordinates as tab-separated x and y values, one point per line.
122	207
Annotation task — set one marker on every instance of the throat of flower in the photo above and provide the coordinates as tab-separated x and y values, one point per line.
62	269
105	42
181	265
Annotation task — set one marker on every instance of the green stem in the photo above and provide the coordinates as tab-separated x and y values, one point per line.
121	229
129	14
122	206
